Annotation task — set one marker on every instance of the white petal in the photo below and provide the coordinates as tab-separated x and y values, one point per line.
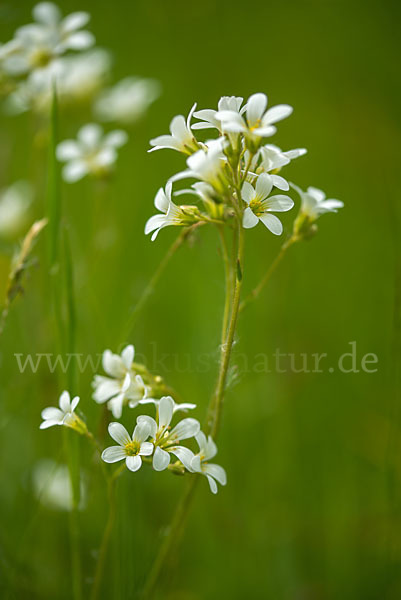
319	195
75	20
212	484
155	222
166	409
161	459
161	201
185	429
133	462
280	183
146	449
115	405
74	171
256	106
178	128
90	135
119	434
80	40
65	402
49	423
151	423
264	185
47	13
106	157
113	454
216	472
141	431
279	203
211	449
247	192
105	389
185	455
68	150
113	364
74	403
52	413
116	138
202	441
272	223
249	219
331	204
277	113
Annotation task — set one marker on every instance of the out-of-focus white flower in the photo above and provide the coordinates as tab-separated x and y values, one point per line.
122	385
260	205
167	441
208	118
14	205
77	78
52	486
200	462
65	415
130	449
181	138
91	153
258	122
314	202
37	44
128	100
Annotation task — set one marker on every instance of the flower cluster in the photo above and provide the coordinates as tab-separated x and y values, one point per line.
236	173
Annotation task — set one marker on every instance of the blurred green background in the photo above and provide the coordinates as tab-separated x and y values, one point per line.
312	509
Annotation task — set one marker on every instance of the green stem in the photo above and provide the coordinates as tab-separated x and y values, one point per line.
172	538
73	469
265	279
228	284
106	533
148	291
216	403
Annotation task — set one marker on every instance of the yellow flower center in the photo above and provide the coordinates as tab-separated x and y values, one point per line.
257	207
132	448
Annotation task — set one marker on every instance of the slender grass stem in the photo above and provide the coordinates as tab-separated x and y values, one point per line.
171	539
149	289
108	530
265	279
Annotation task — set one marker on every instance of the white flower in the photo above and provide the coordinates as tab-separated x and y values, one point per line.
181	137
208	116
128	100
207	165
166	441
122	383
199	463
258	122
64	415
14	204
314	203
183	406
52	486
92	152
130	449
260	206
49	37
270	159
171	213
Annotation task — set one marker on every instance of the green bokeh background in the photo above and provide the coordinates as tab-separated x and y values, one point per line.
312	509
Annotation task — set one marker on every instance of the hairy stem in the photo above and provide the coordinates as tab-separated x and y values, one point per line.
265	279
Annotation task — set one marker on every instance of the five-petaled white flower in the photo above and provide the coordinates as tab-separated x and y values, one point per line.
128	100
199	462
260	205
258	122
122	384
314	202
92	152
181	138
65	415
171	213
49	37
270	159
130	449
167	441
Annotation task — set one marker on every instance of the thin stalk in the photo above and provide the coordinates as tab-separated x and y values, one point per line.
228	284
172	538
148	291
108	530
71	312
72	449
265	279
216	404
